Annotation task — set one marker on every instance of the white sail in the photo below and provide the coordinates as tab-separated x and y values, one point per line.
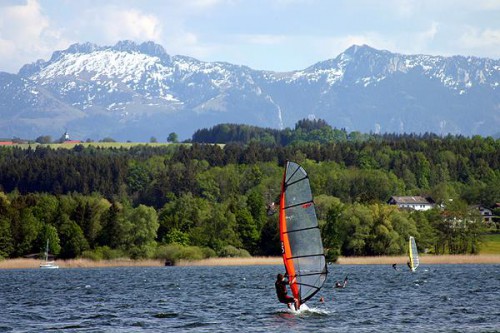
413	254
46	263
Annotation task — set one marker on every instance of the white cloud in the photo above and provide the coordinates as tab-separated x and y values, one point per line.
169	25
263	39
294	2
305	32
472	5
188	44
481	41
431	32
206	3
111	24
193	7
28	34
420	40
489	4
404	8
25	34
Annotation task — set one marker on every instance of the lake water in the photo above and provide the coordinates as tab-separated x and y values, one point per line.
436	298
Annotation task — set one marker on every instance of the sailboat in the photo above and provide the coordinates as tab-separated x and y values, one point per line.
413	254
301	244
46	264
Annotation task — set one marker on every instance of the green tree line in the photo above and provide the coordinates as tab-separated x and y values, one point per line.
206	199
316	130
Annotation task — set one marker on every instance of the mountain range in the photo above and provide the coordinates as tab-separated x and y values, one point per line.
133	91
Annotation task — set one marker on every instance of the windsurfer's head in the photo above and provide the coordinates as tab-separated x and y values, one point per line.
279	277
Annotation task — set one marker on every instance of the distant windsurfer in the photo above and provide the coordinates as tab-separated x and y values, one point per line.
271	209
394	266
281	291
409	265
341	285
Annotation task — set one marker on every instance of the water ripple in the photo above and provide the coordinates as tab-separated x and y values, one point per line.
446	298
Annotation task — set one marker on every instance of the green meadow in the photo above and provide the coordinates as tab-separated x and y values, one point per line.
491	244
95	144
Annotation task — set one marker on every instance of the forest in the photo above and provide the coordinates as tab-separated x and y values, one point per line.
210	197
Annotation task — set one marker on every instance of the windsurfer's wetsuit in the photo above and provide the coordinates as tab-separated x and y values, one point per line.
282	293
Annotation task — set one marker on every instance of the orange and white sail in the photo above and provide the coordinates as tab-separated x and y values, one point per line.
301	244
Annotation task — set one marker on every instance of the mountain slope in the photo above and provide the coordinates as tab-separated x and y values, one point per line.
134	91
370	90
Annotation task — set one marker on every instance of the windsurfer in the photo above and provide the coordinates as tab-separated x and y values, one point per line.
281	291
271	209
341	285
409	265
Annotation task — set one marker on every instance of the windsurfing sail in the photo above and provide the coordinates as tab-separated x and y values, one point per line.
301	245
46	263
413	254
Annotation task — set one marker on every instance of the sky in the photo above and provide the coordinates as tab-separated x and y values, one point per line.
277	35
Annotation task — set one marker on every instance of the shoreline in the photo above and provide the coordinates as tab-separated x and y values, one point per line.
378	260
424	259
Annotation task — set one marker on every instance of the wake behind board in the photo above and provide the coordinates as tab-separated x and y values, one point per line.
303	307
304	310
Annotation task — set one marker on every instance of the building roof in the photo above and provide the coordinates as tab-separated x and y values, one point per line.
415	200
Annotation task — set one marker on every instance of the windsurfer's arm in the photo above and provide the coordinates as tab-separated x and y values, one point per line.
288	280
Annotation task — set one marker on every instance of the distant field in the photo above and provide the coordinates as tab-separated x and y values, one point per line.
125	145
491	244
96	144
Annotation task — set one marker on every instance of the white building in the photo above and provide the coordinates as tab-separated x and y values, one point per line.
413	202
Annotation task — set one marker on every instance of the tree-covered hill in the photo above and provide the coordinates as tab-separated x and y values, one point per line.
200	200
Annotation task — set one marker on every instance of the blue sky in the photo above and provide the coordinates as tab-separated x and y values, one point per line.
279	35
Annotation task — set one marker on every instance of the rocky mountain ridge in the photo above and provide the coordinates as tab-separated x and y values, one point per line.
133	91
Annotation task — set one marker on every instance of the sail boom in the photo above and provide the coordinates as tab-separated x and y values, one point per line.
315	273
299	204
298	230
308	285
296	181
305	256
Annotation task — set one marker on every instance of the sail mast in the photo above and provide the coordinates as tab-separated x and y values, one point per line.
285	242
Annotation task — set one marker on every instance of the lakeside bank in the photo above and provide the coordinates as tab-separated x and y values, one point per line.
378	260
